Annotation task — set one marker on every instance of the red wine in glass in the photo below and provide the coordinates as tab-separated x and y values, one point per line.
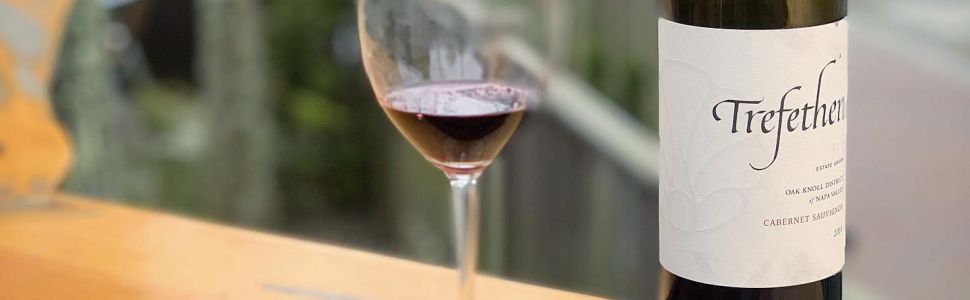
460	126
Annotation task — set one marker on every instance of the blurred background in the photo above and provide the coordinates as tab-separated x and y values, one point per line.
257	113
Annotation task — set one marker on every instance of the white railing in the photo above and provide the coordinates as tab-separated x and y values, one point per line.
593	116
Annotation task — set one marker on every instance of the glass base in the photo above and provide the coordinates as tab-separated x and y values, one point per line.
14	203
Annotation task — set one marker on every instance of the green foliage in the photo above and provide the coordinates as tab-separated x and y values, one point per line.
329	140
316	114
613	47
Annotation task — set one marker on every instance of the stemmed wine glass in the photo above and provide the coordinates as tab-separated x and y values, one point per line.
443	73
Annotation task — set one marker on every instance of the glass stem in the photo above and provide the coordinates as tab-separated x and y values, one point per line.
464	198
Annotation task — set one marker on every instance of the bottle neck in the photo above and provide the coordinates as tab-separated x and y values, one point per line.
754	14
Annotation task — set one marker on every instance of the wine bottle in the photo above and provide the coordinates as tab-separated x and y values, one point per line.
753	103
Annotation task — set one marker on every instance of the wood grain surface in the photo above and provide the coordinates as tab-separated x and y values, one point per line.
85	249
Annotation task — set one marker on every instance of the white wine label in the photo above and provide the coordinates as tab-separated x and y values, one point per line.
752	155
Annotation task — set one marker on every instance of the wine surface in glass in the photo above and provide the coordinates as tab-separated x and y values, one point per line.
460	126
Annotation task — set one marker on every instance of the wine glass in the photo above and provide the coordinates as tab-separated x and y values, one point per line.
455	77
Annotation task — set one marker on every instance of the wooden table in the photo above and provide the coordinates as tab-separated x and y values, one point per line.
84	249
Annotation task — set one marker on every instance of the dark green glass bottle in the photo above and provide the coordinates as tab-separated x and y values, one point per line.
751	15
